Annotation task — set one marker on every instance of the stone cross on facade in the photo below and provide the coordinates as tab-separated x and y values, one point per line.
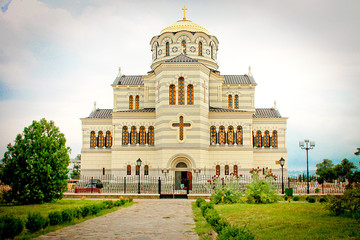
181	126
205	88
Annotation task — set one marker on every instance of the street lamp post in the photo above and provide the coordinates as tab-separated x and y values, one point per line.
282	162
307	145
138	164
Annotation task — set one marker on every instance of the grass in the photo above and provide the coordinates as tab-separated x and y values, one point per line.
290	221
202	228
44	209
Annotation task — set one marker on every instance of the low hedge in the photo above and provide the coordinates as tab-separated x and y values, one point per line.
10	227
35	222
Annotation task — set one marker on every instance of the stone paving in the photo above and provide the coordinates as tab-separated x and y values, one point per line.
148	219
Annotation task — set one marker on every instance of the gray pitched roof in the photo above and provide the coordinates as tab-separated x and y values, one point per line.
129	80
266	113
101	114
181	59
216	109
238	79
139	110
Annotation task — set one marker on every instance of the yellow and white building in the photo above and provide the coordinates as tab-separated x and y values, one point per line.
183	116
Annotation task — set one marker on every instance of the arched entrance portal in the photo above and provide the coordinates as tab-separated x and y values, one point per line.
183	176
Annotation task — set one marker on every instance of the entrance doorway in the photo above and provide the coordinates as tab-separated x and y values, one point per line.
183	180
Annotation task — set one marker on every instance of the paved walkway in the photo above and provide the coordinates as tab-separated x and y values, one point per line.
148	219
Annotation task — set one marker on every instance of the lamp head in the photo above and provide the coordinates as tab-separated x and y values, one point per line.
138	162
282	161
301	144
312	144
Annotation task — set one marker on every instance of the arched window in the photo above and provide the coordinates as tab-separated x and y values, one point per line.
230	101
212	51
183	44
230	135
172	94
181	91
142	135
274	139
167	49
137	102
226	169
101	139
108	139
128	170
222	135
151	135
266	139
125	136
137	170
239	135
235	170
190	94
212	135
258	139
92	139
146	170
131	102
133	135
200	48
236	102
217	169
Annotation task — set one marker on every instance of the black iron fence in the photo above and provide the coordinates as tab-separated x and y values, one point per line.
199	184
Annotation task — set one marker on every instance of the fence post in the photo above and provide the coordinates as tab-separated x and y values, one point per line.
92	182
124	185
159	185
288	182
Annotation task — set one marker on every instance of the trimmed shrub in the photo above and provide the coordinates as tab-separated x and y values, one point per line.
232	232
322	200
286	198
108	204
199	201
205	206
35	222
122	202
296	198
77	212
67	215
85	211
55	218
10	227
130	199
311	200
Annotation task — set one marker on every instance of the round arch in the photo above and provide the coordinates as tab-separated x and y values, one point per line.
181	158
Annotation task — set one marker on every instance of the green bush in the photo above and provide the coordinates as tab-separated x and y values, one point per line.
67	215
108	204
234	233
228	192
286	198
347	204
311	200
296	198
77	212
10	227
199	201
85	211
322	200
205	206
55	218
35	222
122	202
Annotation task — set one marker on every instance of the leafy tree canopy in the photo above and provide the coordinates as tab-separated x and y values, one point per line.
344	169
35	167
326	171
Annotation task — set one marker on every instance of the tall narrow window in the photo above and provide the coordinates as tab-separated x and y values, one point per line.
200	48
103	171
230	101
222	135
181	91
235	170
131	102
212	52
266	139
236	102
217	169
230	135
108	139
172	94
92	139
137	170
101	139
142	135
212	135
226	169
239	135
258	139
146	170
128	170
167	49
125	136
137	102
151	135
274	139
133	135
183	44
190	94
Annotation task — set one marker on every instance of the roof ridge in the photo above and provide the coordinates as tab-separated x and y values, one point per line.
181	58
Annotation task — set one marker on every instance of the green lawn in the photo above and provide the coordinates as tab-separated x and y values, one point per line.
295	220
44	209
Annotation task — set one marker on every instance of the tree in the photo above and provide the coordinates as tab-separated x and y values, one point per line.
344	169
326	171
35	167
75	174
358	152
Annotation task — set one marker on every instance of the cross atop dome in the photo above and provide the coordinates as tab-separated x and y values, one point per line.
184	9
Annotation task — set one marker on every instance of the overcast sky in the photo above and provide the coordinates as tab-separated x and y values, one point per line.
58	57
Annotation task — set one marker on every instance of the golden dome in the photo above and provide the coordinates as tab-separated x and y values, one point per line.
184	25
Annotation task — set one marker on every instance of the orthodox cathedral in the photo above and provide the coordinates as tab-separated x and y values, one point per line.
183	116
